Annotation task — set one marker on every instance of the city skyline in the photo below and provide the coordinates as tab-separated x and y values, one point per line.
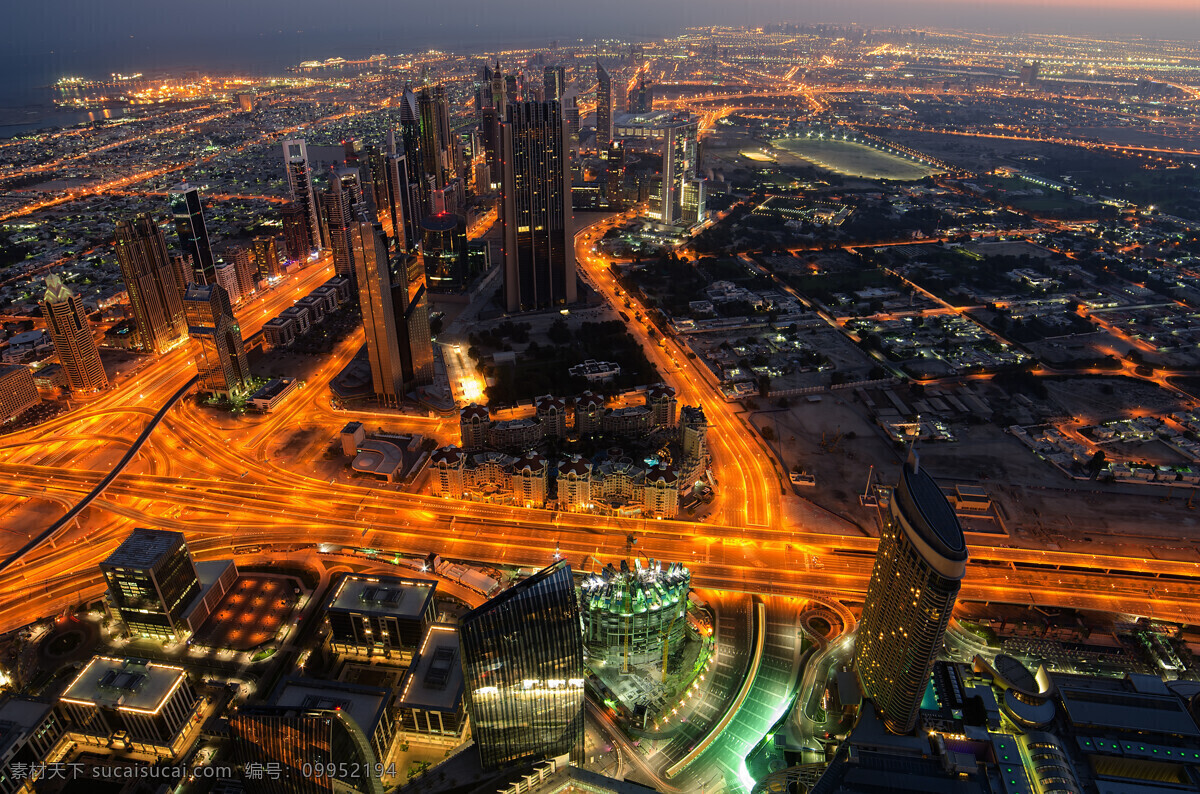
765	406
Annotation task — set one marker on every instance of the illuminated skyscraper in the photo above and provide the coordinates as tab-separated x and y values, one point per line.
370	257
295	159
337	212
266	257
221	357
151	580
614	188
919	567
604	108
522	658
188	211
535	208
72	335
400	204
150	280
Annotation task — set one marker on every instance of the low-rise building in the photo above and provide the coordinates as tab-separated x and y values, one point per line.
129	704
273	392
380	615
430	707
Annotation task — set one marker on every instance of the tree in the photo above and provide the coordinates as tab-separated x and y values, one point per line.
1097	462
559	333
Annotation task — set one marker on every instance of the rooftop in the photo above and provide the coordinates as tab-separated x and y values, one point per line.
126	684
364	704
931	514
144	548
435	679
383	595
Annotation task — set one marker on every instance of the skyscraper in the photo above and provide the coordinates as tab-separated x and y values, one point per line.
614	188
680	158
188	212
604	108
295	159
154	294
535	208
641	98
370	257
522	658
400	206
246	269
221	359
410	304
444	249
919	567
297	243
266	257
554	82
336	209
151	581
72	336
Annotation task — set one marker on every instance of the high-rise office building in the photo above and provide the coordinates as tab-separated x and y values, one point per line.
410	304
18	392
188	211
604	108
246	268
266	257
72	335
296	236
522	658
680	160
400	207
535	208
295	160
151	580
150	280
370	256
444	249
554	83
641	98
614	187
919	567
338	216
221	360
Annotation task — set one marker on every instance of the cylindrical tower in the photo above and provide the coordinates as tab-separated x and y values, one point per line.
919	567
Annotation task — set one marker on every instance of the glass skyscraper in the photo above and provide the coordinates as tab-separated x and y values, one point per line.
522	657
535	208
188	212
919	567
151	581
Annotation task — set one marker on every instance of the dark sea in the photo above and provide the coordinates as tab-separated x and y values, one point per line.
27	75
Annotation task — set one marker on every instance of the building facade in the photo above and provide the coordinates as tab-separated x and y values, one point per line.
221	357
152	581
380	615
918	569
535	208
522	660
18	392
155	295
188	212
72	335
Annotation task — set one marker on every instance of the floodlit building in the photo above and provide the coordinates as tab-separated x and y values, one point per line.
430	706
188	212
155	294
918	570
221	356
635	617
295	159
72	335
29	731
130	704
522	660
152	581
380	615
